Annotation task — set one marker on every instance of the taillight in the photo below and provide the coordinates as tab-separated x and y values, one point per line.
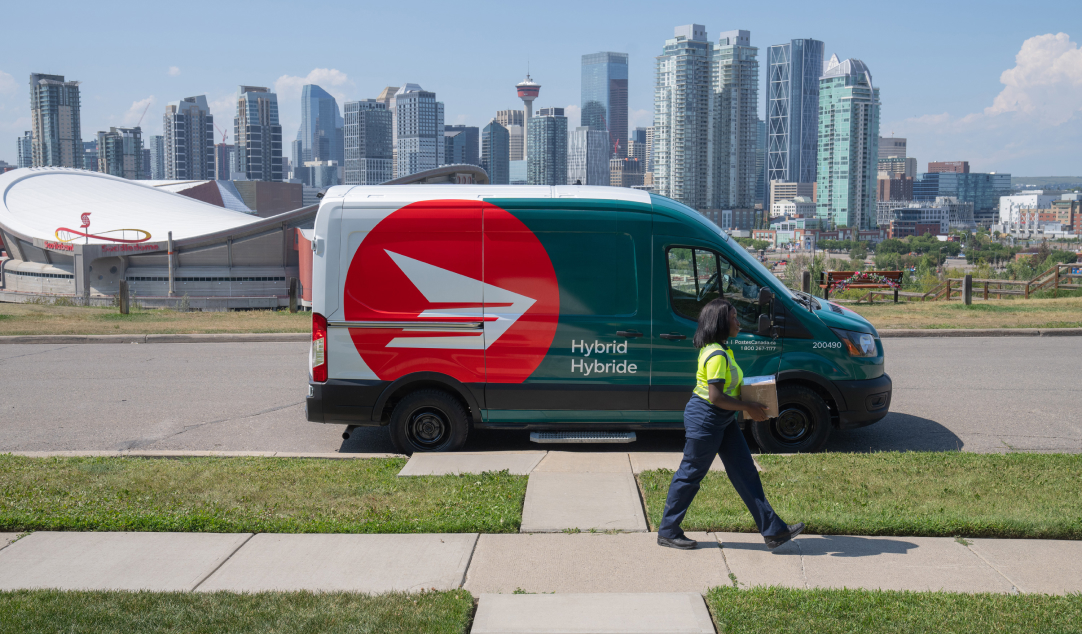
317	359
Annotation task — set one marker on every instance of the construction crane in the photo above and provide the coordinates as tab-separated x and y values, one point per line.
143	115
224	133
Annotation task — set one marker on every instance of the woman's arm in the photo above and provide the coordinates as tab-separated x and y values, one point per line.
757	411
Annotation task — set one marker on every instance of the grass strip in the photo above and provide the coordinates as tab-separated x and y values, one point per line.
772	610
1007	313
31	611
274	495
38	319
1017	495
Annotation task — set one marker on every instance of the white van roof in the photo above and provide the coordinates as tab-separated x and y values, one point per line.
413	193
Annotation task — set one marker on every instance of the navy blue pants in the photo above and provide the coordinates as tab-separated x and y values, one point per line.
710	430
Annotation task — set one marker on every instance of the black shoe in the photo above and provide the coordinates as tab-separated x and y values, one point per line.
683	543
778	540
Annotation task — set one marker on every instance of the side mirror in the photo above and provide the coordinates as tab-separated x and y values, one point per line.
765	297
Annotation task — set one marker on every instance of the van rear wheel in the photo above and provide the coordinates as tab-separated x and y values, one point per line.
429	420
802	425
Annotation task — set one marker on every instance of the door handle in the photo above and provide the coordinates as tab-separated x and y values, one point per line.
673	336
630	334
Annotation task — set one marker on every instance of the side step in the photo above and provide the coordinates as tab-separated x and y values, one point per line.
581	437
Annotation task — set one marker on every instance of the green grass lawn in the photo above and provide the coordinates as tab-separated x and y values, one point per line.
275	495
42	319
773	610
1007	313
1018	495
33	611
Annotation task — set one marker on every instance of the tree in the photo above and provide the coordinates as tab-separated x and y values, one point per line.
859	251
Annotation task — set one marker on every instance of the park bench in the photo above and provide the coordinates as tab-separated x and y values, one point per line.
828	280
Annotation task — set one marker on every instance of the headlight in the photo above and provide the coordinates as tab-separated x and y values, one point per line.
860	344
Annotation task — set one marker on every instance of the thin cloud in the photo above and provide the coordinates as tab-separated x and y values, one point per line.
573	114
174	71
330	79
135	112
7	83
1045	84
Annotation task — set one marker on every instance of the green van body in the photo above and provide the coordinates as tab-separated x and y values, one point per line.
632	276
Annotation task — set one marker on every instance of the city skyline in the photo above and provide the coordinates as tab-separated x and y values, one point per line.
1026	126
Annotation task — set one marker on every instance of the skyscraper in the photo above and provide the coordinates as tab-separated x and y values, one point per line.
760	163
849	144
588	154
157	157
368	146
636	145
188	128
24	150
792	110
891	147
514	121
120	152
604	97
57	139
546	158
495	152
90	155
735	137
258	135
225	161
461	145
682	116
418	122
321	131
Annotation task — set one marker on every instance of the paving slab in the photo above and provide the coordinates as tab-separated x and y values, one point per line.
835	561
602	501
7	538
1046	566
163	562
589	562
654	460
747	557
584	462
351	563
662	613
515	462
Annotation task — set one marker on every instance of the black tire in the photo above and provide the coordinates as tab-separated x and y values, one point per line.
802	425
429	420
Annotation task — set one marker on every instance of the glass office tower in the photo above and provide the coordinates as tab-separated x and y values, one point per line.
258	135
604	97
321	132
495	153
792	117
848	145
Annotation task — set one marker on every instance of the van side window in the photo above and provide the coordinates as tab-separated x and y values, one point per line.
698	276
692	280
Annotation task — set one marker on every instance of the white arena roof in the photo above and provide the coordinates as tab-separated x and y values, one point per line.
38	201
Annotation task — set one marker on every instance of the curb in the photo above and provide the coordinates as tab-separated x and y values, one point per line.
166	453
256	337
298	337
934	333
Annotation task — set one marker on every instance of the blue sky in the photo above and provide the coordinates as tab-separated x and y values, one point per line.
995	83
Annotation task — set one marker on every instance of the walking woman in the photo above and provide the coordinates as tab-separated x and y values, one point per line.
710	428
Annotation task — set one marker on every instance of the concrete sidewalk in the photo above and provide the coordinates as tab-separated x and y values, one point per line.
540	563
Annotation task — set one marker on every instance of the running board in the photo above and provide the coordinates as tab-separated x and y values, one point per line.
581	437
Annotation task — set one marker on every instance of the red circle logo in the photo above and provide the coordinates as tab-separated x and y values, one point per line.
452	286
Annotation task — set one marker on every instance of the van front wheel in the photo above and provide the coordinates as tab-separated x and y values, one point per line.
428	420
802	425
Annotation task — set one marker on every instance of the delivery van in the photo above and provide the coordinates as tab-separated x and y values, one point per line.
443	309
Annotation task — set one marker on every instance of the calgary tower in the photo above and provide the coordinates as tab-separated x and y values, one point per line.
528	90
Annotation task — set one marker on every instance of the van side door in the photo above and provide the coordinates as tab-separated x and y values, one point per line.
689	274
596	368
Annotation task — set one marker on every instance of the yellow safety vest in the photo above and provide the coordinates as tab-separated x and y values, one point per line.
717	365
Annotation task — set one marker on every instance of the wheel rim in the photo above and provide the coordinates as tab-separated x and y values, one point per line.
427	428
793	426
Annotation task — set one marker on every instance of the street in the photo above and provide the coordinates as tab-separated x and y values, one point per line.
972	394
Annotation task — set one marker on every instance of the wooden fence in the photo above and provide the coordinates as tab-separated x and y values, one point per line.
1056	278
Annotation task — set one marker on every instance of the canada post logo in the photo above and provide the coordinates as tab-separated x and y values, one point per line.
478	305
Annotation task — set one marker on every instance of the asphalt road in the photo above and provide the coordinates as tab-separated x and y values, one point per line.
979	394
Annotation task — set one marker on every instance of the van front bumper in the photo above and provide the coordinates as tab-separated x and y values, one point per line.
867	401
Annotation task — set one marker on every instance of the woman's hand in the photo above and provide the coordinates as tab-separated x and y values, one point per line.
757	411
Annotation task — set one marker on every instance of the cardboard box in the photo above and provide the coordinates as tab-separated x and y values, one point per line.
761	389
